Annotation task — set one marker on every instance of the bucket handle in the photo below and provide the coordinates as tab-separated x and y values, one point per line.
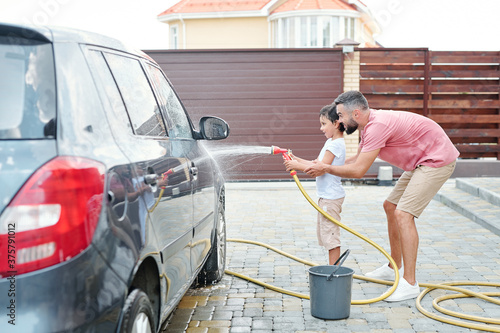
342	258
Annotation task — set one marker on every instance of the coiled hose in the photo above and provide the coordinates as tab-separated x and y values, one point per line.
460	292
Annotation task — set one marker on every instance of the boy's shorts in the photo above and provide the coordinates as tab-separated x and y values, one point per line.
415	189
327	231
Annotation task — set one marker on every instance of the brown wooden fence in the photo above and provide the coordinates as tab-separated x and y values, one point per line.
459	90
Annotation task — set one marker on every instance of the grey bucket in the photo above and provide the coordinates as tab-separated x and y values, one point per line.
330	294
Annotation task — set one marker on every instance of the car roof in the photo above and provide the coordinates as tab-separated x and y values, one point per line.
56	34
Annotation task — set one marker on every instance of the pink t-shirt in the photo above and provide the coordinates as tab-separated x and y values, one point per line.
407	140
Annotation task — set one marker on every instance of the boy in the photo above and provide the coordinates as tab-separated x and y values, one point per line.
329	187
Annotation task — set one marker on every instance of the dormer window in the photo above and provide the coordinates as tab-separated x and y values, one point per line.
311	31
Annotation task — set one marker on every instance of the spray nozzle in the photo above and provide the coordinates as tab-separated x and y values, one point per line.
277	150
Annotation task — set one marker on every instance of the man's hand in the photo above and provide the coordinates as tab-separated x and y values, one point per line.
317	169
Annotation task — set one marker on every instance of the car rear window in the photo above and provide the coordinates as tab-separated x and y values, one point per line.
27	89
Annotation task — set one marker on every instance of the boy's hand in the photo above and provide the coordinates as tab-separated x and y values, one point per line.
291	165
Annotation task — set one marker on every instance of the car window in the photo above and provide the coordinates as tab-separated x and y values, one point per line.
27	89
100	67
177	121
137	95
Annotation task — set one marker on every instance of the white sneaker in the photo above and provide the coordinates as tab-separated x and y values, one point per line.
384	273
403	291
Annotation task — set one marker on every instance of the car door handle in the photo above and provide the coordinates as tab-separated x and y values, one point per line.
193	171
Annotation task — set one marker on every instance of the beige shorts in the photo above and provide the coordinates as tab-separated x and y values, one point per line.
415	189
327	231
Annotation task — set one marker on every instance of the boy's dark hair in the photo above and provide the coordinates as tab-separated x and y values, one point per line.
351	100
330	112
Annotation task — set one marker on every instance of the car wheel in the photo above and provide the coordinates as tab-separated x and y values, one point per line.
213	270
138	314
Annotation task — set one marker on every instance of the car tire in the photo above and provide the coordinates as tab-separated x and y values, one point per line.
213	270
138	313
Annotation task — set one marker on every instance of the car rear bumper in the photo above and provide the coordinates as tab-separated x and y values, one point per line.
80	295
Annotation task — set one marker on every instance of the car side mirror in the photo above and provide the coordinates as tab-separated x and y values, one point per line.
213	128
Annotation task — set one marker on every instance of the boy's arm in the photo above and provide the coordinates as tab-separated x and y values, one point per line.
301	160
297	165
356	169
300	164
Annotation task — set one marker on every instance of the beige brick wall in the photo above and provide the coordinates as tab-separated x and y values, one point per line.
351	82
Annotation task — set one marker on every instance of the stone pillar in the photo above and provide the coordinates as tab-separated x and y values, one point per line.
351	82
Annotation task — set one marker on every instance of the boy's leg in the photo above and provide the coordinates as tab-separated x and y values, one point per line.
333	255
328	232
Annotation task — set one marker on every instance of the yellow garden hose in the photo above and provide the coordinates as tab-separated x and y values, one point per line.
461	293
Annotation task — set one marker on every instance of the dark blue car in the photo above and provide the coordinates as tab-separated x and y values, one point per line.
110	206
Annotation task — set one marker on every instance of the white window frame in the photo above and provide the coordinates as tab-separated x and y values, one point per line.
282	32
174	37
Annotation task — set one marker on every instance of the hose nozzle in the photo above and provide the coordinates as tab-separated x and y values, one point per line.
275	150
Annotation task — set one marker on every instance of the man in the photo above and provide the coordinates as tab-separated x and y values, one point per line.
412	142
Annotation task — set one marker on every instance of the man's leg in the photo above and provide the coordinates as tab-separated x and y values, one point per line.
409	243
386	271
393	230
424	183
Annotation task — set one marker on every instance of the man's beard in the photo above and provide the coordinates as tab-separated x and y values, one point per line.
351	127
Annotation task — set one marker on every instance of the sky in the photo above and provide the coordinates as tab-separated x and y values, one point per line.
440	25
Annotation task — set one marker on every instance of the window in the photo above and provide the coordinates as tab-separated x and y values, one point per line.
326	29
349	27
312	31
137	95
303	32
285	27
27	89
313	24
120	120
177	121
174	37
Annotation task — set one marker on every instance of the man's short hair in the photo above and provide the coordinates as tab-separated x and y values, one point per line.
352	100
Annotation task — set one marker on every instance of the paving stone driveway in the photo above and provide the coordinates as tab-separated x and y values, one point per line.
452	248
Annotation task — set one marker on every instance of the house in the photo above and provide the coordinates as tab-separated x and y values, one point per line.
219	24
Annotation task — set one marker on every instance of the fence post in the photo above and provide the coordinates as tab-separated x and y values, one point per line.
498	109
351	77
427	80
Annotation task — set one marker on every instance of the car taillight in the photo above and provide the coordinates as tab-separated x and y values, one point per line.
53	216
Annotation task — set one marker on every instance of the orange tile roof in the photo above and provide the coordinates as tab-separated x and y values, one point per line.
313	5
203	6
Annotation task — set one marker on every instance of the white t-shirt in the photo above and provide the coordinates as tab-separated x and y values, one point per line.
329	186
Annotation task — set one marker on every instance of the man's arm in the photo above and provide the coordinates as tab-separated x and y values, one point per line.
353	159
356	169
